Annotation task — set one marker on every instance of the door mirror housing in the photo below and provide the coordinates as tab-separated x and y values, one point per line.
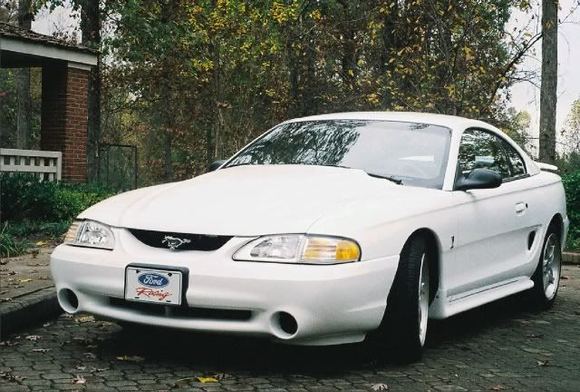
479	179
215	165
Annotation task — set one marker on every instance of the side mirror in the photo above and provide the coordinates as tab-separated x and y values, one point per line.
479	179
215	165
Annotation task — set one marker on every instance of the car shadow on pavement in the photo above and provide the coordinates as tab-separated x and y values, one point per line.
477	321
210	352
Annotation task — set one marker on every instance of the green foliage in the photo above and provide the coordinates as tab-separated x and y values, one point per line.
9	99
23	197
570	137
10	246
45	230
189	82
572	185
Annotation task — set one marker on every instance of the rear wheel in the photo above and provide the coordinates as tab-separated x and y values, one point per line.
547	275
403	332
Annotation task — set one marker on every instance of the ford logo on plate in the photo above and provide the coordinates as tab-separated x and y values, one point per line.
151	279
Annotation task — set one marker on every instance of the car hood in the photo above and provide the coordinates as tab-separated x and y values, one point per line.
250	200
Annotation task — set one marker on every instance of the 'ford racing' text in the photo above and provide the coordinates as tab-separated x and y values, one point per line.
152	293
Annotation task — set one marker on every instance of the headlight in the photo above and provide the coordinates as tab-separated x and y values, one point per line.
91	234
298	248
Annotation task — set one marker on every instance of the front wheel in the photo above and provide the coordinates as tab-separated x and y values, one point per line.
547	275
404	328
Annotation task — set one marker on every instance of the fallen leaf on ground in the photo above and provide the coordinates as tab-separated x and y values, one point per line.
41	243
32	338
543	363
380	387
535	336
7	299
79	380
11	377
497	387
131	358
24	281
85	319
40	350
207	380
81	368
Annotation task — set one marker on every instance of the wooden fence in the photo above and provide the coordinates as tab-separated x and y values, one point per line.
46	165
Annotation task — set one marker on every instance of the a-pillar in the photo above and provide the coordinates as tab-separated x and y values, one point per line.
64	117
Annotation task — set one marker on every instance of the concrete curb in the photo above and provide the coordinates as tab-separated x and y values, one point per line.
571	258
28	309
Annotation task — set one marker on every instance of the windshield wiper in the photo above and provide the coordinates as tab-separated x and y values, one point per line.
392	179
238	164
397	181
329	165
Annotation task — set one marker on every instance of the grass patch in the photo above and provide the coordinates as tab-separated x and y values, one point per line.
10	246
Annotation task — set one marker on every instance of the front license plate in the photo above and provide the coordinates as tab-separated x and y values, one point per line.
153	285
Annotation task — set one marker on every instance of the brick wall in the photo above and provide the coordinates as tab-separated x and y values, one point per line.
64	118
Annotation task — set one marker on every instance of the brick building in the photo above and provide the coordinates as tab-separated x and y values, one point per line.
65	74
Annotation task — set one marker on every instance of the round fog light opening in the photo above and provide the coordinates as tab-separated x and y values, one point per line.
287	323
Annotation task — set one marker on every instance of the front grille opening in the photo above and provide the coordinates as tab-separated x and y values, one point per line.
183	312
184	241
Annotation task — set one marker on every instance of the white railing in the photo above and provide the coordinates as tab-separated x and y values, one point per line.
46	165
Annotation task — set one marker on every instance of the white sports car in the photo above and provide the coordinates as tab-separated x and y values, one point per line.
326	229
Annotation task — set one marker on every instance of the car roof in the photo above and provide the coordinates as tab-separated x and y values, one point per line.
453	122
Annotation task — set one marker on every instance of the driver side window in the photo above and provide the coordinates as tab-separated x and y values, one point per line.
481	149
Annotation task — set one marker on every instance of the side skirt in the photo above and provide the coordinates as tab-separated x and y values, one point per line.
444	307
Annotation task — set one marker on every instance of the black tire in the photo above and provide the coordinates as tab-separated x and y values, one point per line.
538	294
398	337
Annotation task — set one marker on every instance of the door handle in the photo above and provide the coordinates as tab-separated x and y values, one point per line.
521	207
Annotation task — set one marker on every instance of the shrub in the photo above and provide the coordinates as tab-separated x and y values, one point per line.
572	185
23	197
27	228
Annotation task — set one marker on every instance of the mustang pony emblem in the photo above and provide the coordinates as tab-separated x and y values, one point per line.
174	242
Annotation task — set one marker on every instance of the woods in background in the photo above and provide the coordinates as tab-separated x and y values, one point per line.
189	82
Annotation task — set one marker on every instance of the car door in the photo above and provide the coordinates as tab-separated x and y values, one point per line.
493	224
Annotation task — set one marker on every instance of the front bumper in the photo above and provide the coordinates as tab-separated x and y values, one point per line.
331	304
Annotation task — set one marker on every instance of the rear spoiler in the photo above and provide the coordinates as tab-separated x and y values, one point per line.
546	167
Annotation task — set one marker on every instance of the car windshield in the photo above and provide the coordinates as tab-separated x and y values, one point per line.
410	153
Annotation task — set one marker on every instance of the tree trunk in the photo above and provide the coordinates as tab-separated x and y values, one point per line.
23	123
167	155
91	31
548	93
